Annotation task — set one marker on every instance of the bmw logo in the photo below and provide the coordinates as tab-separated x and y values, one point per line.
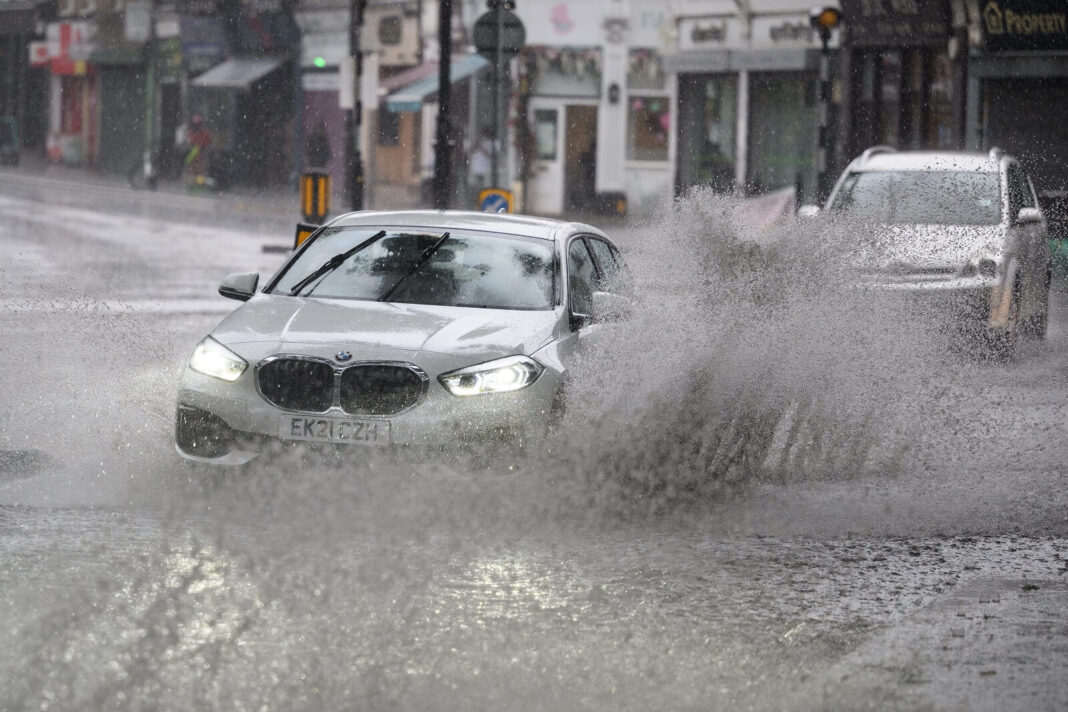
342	355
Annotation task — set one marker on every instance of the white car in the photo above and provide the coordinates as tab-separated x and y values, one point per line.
400	328
961	230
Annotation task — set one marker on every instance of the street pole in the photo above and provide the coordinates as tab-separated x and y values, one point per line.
498	9
444	128
148	167
823	20
354	116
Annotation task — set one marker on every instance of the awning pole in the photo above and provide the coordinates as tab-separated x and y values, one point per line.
353	159
498	10
441	147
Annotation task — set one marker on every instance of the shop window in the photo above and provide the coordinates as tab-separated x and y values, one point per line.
545	134
782	130
649	118
648	124
708	106
565	71
389	30
388	127
645	71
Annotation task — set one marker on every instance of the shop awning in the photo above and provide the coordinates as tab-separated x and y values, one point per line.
411	96
238	72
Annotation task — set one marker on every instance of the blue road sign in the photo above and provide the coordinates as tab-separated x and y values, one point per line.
495	200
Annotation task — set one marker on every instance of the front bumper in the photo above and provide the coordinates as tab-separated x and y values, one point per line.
971	304
231	423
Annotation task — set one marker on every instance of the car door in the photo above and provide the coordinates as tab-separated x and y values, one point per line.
1026	236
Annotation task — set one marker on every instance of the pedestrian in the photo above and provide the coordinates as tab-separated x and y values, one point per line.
198	139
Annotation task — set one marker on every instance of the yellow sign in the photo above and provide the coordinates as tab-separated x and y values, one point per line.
304	231
315	196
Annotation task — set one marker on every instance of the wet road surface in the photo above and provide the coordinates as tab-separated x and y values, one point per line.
130	581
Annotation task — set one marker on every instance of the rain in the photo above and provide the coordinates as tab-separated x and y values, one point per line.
778	480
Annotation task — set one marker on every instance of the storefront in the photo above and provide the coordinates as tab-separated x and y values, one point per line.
747	102
251	101
73	118
121	69
23	86
596	120
902	76
1018	86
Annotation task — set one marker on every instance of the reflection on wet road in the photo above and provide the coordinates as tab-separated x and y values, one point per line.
129	581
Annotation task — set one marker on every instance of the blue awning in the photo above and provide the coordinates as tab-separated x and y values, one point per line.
411	97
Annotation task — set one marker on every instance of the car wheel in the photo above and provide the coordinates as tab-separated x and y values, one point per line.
1001	344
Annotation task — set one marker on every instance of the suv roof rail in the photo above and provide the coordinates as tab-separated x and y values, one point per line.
996	153
875	150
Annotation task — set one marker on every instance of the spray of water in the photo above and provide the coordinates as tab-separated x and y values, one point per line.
378	582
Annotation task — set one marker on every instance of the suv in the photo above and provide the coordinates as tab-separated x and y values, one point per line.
964	229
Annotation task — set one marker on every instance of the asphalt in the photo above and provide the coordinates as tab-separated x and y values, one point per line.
259	208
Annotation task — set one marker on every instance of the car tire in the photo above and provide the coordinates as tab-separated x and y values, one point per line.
1002	344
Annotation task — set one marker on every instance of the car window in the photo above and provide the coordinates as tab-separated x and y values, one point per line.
922	197
465	270
606	261
582	276
1015	192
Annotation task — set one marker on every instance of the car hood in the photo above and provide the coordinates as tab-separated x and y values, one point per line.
925	247
365	326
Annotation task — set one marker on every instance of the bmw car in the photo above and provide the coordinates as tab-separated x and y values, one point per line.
388	329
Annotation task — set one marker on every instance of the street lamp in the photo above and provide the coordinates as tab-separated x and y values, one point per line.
824	20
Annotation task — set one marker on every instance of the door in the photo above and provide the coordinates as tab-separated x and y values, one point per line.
546	186
580	156
565	149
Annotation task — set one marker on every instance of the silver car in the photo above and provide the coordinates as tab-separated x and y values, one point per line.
963	230
400	328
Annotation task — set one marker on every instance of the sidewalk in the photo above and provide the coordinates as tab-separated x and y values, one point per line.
39	179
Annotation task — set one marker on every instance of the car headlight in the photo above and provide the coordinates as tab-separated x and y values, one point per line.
213	359
985	264
501	376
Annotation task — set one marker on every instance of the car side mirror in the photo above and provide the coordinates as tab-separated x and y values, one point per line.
240	286
808	211
610	307
1028	215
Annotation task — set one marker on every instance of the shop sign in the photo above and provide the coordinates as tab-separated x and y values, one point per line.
39	54
68	45
1025	25
704	33
895	23
786	32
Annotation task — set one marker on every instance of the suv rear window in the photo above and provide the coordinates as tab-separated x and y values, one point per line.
922	197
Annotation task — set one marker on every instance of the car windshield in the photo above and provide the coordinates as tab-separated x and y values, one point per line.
922	197
465	269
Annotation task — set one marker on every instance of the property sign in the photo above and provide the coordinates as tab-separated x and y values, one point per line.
1025	25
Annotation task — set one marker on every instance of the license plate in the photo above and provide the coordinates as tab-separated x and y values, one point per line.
335	430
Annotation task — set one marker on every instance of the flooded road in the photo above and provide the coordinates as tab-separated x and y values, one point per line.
932	576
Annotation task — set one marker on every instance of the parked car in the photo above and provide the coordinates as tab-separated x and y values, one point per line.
960	230
400	328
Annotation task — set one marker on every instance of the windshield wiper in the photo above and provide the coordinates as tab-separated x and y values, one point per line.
427	253
334	262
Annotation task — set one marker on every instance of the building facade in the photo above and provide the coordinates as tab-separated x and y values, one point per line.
1017	89
595	106
748	93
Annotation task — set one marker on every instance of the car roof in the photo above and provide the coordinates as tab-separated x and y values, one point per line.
524	225
891	160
